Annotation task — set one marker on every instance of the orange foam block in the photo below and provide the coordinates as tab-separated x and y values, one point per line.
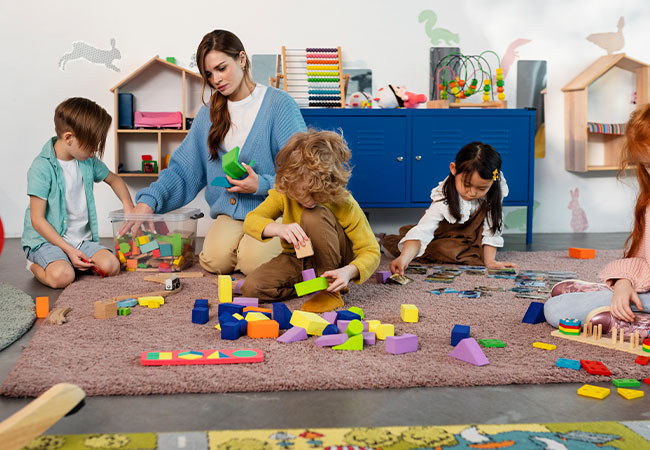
582	253
42	307
263	329
258	309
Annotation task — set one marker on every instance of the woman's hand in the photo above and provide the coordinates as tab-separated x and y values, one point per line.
499	264
624	294
290	232
133	226
339	278
246	185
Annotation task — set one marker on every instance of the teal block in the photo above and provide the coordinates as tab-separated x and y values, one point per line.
309	286
221	182
149	246
166	249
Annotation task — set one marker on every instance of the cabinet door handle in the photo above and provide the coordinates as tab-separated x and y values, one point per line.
417	158
400	158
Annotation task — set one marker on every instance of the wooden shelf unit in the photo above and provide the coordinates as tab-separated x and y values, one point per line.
123	135
576	130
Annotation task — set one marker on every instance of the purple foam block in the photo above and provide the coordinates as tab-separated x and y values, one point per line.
293	334
330	316
405	343
469	351
246	301
330	340
308	274
236	287
382	276
369	337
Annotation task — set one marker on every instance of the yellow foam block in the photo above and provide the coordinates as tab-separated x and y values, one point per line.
373	324
180	261
225	289
630	394
142	240
238	316
384	330
122	257
592	391
144	301
153	304
253	316
544	346
313	323
409	313
218	326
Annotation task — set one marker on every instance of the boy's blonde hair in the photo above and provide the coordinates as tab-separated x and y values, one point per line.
88	121
316	163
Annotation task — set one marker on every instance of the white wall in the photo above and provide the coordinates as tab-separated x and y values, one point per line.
375	34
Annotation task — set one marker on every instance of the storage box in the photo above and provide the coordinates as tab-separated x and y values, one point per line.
163	242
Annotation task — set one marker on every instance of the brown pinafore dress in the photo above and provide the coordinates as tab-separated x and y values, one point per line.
456	243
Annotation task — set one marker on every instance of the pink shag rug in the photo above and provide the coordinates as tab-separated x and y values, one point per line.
103	356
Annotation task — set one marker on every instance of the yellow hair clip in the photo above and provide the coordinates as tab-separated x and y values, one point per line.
495	175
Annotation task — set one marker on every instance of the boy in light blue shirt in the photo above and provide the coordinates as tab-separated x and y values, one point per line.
60	231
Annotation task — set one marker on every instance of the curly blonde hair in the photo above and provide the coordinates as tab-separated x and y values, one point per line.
316	163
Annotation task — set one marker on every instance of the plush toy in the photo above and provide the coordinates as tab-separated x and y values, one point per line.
359	100
397	96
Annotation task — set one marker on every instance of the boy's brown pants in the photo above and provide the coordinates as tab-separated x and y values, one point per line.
452	242
274	280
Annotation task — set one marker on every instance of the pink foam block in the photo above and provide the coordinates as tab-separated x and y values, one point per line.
469	351
369	337
382	276
293	334
246	301
236	287
343	325
308	274
331	339
330	316
405	343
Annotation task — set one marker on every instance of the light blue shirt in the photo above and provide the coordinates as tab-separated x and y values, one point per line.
45	180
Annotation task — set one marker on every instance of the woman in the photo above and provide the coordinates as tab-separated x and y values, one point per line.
258	119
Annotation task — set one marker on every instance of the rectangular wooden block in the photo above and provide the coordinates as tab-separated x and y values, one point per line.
105	309
307	250
582	253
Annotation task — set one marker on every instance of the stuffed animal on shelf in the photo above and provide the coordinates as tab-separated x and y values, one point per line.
392	96
359	100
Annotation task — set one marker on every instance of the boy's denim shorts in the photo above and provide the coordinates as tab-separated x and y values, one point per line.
48	253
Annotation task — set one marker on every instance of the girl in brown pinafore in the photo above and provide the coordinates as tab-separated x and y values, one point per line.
463	223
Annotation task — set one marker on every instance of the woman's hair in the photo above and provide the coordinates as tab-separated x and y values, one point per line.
316	163
484	160
635	150
225	42
88	121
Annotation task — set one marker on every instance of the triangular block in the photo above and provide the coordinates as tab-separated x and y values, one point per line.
282	315
469	351
353	343
293	334
535	313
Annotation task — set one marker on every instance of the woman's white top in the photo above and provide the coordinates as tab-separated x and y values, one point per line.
242	116
439	210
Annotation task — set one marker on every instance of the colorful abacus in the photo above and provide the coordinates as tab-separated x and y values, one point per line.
570	326
314	77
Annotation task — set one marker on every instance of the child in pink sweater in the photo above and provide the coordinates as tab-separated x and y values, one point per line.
624	301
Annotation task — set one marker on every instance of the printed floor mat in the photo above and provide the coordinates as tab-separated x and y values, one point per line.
557	436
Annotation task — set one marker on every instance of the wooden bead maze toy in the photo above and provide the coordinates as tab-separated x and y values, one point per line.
312	76
459	77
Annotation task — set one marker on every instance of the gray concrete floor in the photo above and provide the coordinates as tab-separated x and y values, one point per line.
363	408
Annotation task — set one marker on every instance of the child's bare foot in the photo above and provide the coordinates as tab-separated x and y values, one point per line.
323	301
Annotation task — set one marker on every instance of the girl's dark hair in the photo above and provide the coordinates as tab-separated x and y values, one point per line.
484	160
228	43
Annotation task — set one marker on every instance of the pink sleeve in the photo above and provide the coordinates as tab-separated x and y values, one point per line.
636	270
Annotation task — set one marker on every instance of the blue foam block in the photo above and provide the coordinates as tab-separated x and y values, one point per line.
458	333
230	308
282	315
535	313
230	331
200	315
201	303
347	315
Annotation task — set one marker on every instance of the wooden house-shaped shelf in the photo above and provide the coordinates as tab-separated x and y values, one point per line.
157	86
577	132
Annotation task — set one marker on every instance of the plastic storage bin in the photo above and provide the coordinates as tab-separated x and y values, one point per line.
163	242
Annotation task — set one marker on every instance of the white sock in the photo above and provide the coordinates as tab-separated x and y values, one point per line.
29	266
